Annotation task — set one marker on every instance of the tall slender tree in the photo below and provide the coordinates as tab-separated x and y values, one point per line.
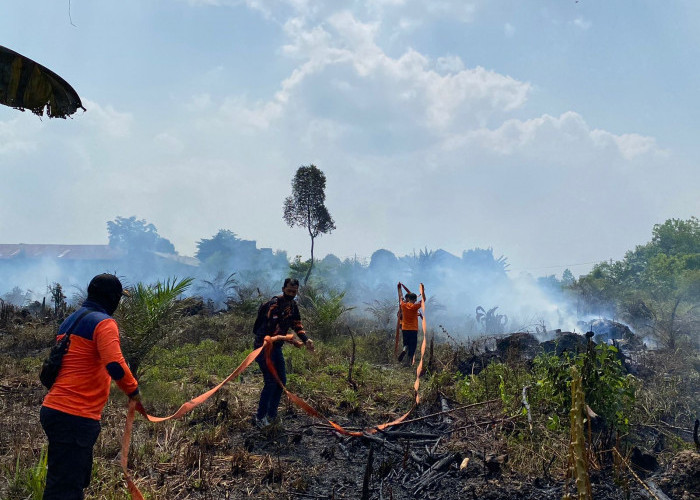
306	206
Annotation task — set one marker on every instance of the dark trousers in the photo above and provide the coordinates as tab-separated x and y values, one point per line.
410	340
71	440
271	392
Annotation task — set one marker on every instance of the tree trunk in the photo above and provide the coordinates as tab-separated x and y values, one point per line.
308	273
671	330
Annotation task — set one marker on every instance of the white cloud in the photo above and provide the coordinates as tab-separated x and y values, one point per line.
579	22
198	3
107	120
168	143
449	64
406	24
239	114
406	14
384	3
509	30
460	10
199	102
345	53
629	145
561	136
17	135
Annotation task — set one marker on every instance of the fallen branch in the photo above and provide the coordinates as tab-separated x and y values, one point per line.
404	451
409	435
432	450
368	473
682	429
445	408
488	422
432	474
624	461
429	482
417	419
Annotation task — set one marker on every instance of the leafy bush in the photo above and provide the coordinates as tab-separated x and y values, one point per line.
609	391
497	380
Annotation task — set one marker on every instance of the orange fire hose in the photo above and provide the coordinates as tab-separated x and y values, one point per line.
419	370
267	346
398	322
314	413
185	408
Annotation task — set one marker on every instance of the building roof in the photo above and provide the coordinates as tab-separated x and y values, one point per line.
181	259
63	252
78	252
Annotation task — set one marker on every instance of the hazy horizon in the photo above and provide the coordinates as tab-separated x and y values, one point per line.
557	134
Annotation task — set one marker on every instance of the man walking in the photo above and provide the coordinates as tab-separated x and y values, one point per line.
71	411
408	313
276	317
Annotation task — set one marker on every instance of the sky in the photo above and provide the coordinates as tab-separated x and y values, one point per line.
556	132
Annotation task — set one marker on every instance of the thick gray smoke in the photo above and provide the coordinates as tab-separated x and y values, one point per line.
456	287
468	295
28	271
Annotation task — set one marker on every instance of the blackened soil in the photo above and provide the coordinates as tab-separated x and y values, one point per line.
303	460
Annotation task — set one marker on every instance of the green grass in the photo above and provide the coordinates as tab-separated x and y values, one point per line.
28	482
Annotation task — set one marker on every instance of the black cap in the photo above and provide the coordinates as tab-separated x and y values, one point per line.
105	285
106	290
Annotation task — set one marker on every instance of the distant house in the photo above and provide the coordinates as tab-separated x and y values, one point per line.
59	252
180	259
36	265
95	253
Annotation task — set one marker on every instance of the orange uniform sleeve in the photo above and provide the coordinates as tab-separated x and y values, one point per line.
109	349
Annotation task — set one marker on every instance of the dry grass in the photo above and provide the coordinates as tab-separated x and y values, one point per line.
214	452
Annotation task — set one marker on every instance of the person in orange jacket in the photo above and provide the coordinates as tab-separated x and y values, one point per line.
71	412
409	311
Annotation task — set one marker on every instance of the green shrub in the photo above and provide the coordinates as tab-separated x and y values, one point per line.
609	390
497	380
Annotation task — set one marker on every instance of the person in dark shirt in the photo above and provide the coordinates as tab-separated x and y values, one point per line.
276	317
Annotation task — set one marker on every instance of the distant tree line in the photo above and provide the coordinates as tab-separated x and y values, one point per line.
655	288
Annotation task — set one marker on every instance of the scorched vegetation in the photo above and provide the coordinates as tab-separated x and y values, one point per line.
503	415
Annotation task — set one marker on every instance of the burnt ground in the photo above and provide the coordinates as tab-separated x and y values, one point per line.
216	453
302	458
224	457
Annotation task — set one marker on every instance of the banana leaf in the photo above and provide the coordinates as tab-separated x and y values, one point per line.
25	84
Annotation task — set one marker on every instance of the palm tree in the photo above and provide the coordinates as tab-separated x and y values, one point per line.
147	316
219	289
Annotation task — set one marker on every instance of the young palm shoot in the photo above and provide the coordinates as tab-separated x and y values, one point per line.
147	316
